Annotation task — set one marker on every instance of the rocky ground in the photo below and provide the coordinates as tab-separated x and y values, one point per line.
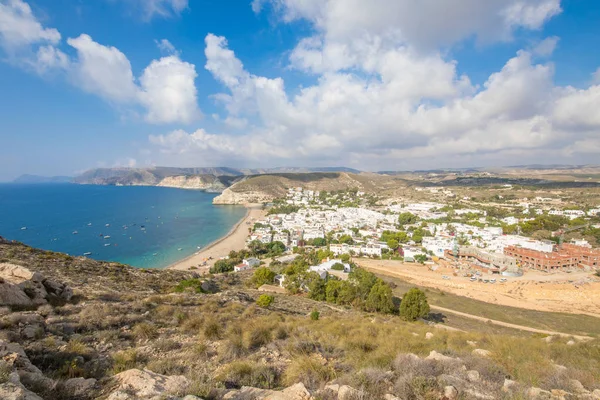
73	328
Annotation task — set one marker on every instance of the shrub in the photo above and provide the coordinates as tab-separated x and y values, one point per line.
262	276
314	315
258	337
5	371
414	305
338	267
124	360
308	370
145	331
194	285
212	330
265	300
165	345
166	366
243	373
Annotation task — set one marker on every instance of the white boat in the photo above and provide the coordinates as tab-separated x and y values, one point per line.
155	254
106	237
75	232
179	249
107	225
88	253
24	228
90	224
106	244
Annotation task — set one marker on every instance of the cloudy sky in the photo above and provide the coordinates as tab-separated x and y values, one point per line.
375	85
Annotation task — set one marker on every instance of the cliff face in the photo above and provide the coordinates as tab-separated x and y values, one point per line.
208	183
252	197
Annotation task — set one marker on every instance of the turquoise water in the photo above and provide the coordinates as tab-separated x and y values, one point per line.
147	225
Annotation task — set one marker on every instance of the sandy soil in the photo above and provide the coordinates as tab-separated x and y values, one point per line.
234	240
577	293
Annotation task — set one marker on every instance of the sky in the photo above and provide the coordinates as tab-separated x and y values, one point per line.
373	85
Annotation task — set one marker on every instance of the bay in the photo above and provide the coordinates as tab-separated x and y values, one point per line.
148	227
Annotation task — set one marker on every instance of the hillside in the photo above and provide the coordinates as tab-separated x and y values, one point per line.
264	188
97	330
127	333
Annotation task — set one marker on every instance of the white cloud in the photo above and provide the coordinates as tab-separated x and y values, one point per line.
398	105
596	77
169	92
423	24
166	87
166	47
19	27
160	8
103	70
546	47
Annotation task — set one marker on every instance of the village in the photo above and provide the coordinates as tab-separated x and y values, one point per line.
465	239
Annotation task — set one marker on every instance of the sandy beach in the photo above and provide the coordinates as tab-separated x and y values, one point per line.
234	240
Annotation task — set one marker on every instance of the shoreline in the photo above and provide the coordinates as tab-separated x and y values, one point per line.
235	239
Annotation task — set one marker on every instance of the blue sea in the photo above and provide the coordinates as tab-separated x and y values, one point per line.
148	227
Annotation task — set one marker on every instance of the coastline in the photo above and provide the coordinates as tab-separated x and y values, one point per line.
235	239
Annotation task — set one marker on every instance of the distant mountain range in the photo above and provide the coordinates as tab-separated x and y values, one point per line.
43	179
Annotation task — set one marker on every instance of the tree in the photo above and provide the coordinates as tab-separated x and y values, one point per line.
332	290
414	305
364	281
262	276
407	218
337	267
380	298
347	293
393	244
345	258
319	242
316	287
420	258
221	266
256	247
347	239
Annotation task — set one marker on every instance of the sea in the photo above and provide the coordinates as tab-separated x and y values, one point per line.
146	227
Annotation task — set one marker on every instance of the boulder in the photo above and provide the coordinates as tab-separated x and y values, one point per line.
349	393
429	336
450	393
434	355
16	391
473	376
481	353
509	385
78	387
295	392
147	385
390	397
535	393
22	287
596	394
570	343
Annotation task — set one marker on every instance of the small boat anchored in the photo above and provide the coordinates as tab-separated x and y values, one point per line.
75	232
89	253
24	228
106	237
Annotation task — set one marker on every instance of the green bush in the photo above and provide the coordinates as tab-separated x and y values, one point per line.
314	315
338	267
222	266
265	300
189	284
262	276
414	305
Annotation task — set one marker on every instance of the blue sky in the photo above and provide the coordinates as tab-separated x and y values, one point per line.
393	84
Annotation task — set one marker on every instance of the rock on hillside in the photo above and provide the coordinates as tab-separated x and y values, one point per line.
21	287
209	183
